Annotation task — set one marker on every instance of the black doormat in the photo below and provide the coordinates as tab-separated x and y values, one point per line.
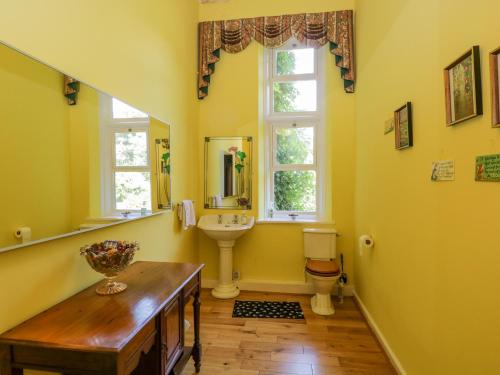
267	309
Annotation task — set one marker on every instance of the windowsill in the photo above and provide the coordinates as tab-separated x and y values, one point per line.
284	220
77	232
119	216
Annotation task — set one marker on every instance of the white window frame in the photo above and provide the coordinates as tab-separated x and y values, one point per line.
274	120
109	127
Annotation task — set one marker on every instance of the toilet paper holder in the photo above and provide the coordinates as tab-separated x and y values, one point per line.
23	234
366	241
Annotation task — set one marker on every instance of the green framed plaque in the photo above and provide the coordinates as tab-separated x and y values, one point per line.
488	168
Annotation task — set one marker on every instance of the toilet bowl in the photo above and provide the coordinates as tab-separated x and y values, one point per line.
321	267
323	283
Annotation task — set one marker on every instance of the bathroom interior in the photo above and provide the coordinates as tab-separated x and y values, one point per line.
318	154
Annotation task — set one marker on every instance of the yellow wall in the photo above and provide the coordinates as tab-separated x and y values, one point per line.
143	53
431	283
42	135
224	10
232	109
85	152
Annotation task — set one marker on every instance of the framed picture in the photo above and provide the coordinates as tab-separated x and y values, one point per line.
495	97
463	88
403	125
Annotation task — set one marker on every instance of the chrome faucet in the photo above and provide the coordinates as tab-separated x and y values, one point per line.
219	219
125	214
235	219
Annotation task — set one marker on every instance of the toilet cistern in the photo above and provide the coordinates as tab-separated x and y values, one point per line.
320	250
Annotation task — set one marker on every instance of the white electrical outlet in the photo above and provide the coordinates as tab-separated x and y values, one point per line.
236	275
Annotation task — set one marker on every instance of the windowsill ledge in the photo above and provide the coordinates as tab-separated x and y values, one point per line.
80	231
284	220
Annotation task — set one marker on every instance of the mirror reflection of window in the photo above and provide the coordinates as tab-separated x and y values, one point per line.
132	173
228	175
88	162
127	171
122	110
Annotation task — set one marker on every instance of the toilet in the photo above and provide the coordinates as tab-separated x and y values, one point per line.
320	246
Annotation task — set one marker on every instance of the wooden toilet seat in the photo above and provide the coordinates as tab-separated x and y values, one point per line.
325	268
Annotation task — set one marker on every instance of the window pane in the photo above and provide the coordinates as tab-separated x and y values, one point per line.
122	110
131	149
297	96
295	145
132	190
297	61
295	191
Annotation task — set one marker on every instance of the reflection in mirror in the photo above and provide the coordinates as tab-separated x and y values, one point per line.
73	158
162	160
228	172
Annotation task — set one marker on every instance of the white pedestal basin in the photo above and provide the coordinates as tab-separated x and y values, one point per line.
225	230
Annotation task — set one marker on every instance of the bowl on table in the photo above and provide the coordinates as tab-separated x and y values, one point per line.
110	258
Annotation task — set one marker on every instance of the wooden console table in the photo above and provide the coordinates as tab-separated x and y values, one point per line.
139	331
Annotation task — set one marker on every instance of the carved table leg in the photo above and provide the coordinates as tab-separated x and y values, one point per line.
5	362
197	343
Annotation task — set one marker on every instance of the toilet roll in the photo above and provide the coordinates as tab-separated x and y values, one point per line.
365	242
24	234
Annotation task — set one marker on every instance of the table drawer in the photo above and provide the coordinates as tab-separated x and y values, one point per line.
51	358
141	343
191	286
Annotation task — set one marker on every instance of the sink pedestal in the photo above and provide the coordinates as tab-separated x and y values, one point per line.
226	288
225	229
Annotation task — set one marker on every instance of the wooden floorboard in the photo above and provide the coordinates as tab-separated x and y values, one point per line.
341	344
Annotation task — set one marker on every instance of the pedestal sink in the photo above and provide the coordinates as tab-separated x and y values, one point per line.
225	229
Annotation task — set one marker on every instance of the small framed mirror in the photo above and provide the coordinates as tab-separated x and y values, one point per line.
162	175
228	172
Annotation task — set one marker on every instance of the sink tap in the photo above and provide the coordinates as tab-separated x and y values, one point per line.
235	219
219	219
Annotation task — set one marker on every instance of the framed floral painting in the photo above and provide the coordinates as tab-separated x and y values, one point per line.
495	88
403	126
463	90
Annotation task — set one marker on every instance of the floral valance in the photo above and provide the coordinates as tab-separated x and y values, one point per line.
312	29
71	88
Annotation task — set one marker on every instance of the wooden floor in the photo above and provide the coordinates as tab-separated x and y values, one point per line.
339	344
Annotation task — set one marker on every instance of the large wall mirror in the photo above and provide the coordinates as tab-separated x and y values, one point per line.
228	172
73	158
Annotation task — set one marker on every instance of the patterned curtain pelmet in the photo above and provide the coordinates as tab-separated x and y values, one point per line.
311	29
71	89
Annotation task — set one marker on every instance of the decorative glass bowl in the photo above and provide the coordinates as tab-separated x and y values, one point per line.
110	258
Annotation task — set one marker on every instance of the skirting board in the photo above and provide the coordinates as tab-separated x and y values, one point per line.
275	286
380	337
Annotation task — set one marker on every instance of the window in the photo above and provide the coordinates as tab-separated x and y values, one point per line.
126	157
122	111
294	131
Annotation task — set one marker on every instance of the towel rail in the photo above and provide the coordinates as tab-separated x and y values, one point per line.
180	204
180	215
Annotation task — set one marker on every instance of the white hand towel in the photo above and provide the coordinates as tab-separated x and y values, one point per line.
218	200
188	214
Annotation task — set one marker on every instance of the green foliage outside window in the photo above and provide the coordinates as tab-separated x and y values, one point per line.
293	190
131	188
